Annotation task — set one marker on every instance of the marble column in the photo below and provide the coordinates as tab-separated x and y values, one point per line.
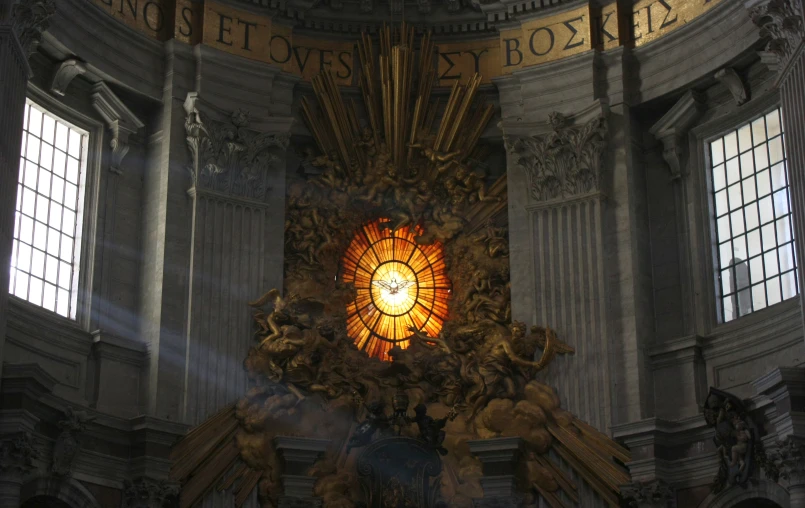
782	24
21	28
237	225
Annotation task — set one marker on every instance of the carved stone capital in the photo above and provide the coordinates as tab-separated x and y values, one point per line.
788	461
648	494
120	121
729	78
780	21
30	19
230	158
68	70
672	130
145	492
565	162
17	455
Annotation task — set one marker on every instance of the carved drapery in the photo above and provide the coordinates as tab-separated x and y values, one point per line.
30	19
781	22
563	163
229	157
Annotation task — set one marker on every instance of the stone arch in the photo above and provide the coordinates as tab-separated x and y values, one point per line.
763	490
65	489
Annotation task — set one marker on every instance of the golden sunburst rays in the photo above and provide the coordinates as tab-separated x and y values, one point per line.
399	284
396	83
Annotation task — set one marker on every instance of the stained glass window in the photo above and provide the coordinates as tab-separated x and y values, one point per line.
399	284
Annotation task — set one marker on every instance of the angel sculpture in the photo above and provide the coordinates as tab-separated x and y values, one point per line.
501	356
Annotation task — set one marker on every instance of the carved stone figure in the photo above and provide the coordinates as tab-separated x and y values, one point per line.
734	438
67	445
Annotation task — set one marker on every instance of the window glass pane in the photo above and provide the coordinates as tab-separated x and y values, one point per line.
773	124
776	150
759	131
721	202
46	255
763	183
789	285
31	173
786	257
717	152
719	180
778	176
48	129
733	171
773	291
752	219
59	163
730	145
737	220
749	190
759	296
747	164
745	138
736	199
754	245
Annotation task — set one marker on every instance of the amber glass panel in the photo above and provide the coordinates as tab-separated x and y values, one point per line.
399	284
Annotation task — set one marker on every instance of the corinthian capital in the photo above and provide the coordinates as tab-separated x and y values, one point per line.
780	21
17	454
30	19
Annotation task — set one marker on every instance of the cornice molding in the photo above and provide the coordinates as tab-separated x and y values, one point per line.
672	130
120	121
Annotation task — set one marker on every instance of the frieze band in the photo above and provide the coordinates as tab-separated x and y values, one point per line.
534	42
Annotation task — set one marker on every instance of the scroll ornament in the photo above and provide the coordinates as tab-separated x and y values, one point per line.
781	22
229	157
565	162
